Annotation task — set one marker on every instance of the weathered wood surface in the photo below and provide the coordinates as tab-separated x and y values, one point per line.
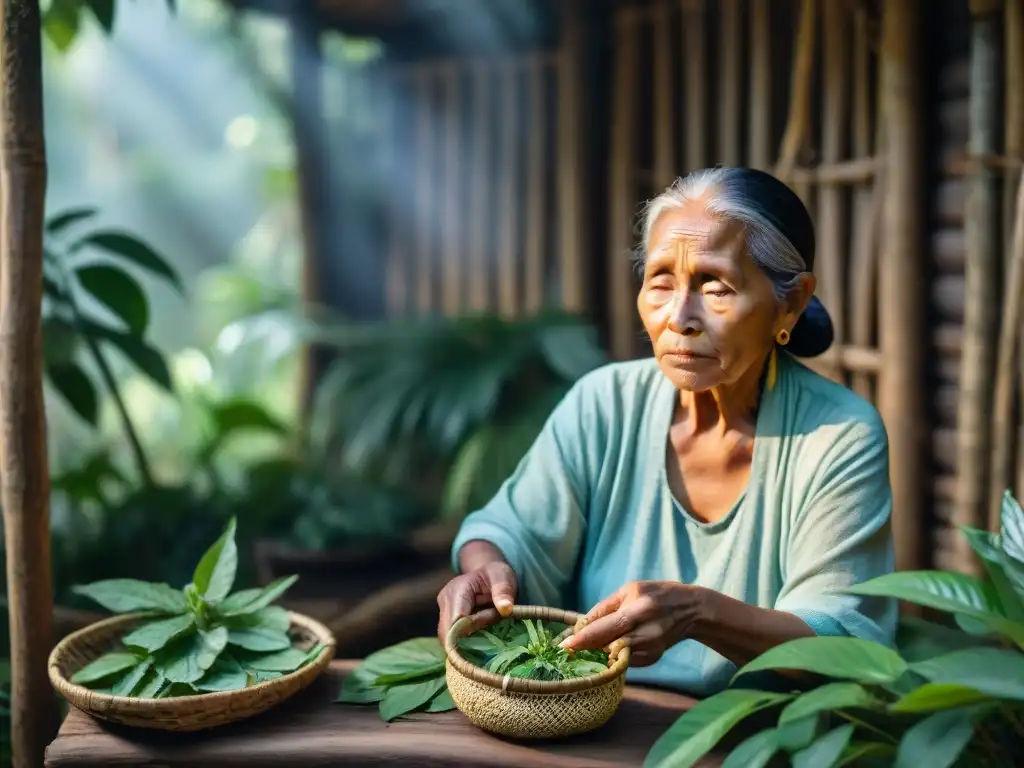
310	730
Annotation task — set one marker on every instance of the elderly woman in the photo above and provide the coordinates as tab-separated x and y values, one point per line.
711	502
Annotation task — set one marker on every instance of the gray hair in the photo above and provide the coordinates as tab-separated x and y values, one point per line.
729	196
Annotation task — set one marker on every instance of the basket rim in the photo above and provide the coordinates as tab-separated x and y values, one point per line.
505	683
74	692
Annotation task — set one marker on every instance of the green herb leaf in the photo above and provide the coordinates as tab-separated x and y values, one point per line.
442	702
797	734
156	634
402	699
935	696
404	677
1012	527
993	671
215	574
144	357
226	674
285	661
839	657
130	681
936	741
251	600
826	750
188	660
129	595
259	639
829	698
134	250
1006	575
697	732
104	667
152	683
410	656
501	663
755	752
119	292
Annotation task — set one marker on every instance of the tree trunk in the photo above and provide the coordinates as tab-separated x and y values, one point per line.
23	459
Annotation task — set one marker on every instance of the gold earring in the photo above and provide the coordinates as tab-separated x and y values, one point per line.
782	337
773	370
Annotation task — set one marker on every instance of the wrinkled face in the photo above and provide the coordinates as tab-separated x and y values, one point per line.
710	312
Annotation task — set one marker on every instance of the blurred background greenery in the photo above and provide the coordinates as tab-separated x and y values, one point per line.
175	330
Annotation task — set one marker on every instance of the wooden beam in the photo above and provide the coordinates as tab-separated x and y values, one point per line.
23	459
902	274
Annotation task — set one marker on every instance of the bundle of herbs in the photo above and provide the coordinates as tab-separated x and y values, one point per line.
198	639
410	676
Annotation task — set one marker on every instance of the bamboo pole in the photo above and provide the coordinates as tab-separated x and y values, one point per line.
730	84
572	148
621	285
981	276
798	122
508	197
664	103
832	224
399	267
23	458
759	140
902	274
1006	369
480	206
452	262
695	84
425	142
1015	146
536	197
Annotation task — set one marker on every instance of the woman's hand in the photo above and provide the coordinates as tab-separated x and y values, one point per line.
651	616
491	583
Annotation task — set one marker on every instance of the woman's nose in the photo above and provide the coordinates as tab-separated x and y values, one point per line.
684	318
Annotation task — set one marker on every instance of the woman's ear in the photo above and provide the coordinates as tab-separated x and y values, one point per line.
799	297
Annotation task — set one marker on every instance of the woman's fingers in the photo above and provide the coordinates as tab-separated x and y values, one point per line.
503	587
610	604
601	631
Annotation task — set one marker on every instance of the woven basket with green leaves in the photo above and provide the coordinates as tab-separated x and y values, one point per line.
193	658
524	707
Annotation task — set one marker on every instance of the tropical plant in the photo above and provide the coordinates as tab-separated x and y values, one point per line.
199	638
407	677
948	695
81	295
62	19
466	396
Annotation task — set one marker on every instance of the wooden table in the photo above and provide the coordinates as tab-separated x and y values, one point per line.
310	730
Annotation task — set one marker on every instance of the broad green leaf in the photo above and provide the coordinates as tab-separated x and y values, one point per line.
188	660
226	674
103	10
251	600
409	656
134	250
284	661
119	292
934	696
60	23
796	734
696	733
272	617
920	639
129	595
127	684
841	657
826	750
215	574
156	634
259	639
68	218
829	698
401	699
150	685
105	666
442	702
1012	527
856	752
754	752
936	741
1002	570
404	677
144	357
77	389
993	671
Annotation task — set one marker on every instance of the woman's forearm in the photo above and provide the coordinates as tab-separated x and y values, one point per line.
741	632
477	553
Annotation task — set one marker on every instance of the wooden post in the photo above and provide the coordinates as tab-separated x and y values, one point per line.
902	283
23	460
981	276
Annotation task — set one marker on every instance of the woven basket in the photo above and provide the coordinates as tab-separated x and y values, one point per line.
532	709
184	713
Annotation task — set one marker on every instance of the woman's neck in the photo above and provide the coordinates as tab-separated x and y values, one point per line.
727	407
